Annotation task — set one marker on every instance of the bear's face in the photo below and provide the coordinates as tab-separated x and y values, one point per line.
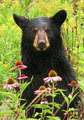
39	32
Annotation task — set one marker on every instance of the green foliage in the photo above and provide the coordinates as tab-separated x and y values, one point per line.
53	118
5	112
23	86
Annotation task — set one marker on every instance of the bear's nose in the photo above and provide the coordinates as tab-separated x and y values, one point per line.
41	44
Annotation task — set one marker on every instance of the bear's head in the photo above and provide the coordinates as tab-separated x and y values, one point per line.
42	31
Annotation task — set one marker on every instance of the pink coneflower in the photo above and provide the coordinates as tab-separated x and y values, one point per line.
10	84
42	89
73	83
44	101
22	77
52	77
19	65
4	117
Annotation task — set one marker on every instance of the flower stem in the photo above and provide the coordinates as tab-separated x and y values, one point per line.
65	116
53	99
43	115
32	102
20	83
20	88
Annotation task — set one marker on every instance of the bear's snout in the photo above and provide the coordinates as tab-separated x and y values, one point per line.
41	41
41	44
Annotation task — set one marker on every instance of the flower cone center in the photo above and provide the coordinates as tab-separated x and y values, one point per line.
43	99
73	82
18	63
52	73
22	75
42	87
10	81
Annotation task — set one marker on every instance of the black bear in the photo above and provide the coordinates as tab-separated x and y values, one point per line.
42	50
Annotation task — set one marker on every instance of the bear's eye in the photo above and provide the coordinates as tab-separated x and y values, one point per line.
47	30
36	30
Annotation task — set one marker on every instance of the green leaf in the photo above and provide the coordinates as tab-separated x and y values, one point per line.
36	114
53	118
72	98
52	95
71	109
65	97
7	94
31	119
7	112
24	85
47	111
59	90
32	78
41	106
57	105
22	106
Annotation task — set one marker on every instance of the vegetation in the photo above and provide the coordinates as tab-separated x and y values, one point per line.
10	37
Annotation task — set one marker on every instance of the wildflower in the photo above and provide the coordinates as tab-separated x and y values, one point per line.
44	101
22	77
73	83
52	77
10	84
42	89
20	65
4	117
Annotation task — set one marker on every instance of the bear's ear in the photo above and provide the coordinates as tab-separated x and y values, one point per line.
20	20
60	17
